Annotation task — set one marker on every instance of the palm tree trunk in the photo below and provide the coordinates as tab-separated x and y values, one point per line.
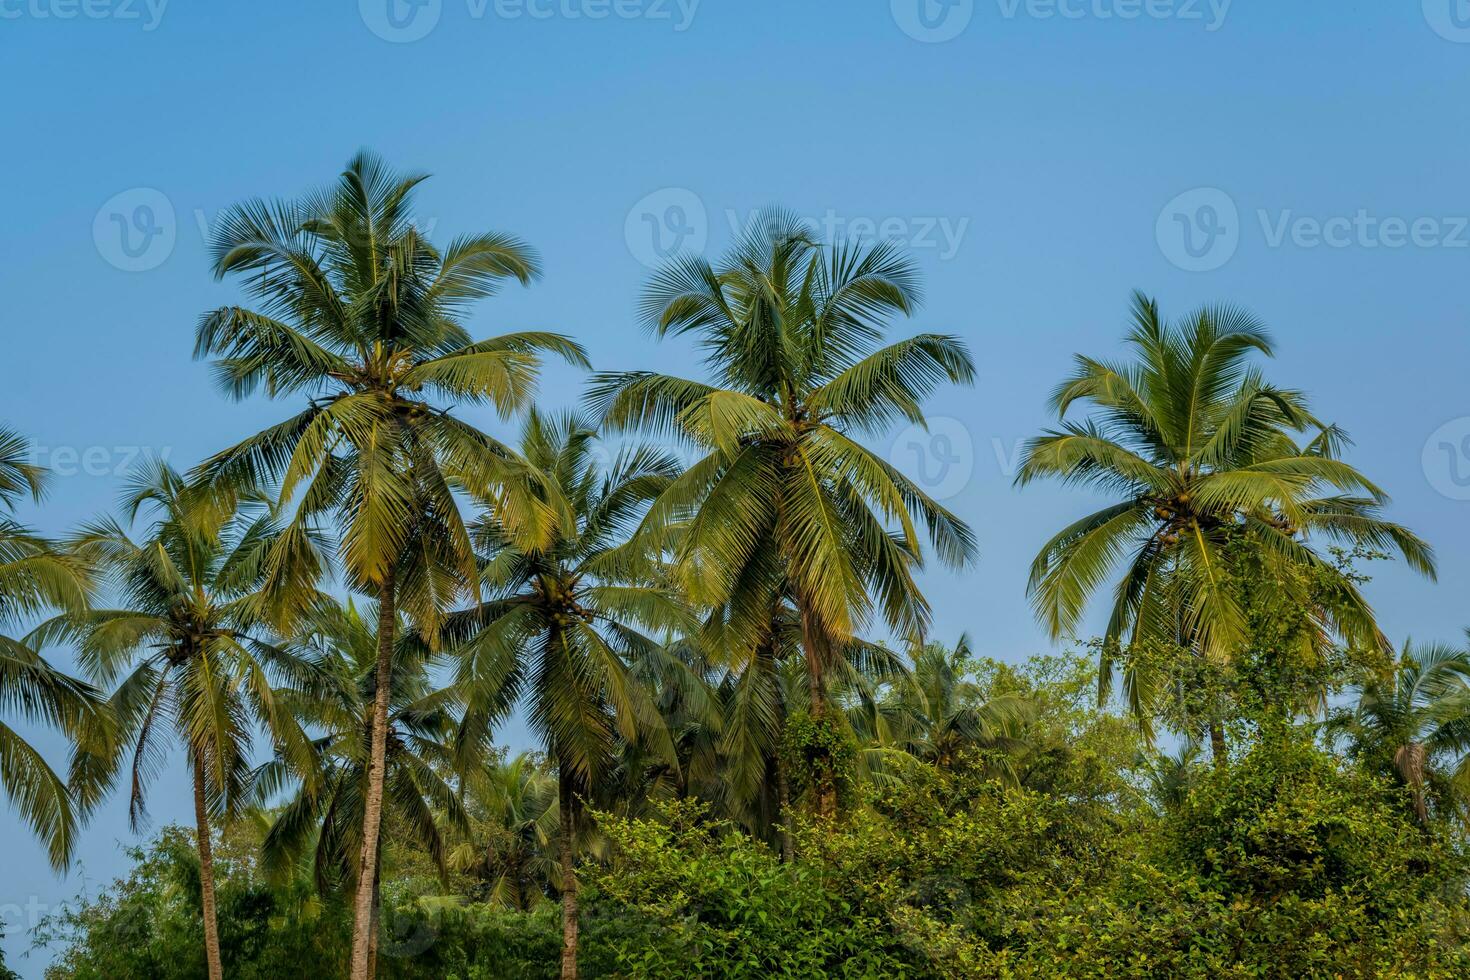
372	817
815	642
766	654
566	801
1218	750
206	873
377	916
783	803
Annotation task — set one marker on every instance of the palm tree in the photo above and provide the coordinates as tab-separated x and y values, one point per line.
428	750
188	637
1201	455
361	314
1169	779
785	500
512	845
939	711
35	575
566	621
1416	726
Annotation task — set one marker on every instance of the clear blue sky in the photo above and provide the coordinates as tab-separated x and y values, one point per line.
1034	160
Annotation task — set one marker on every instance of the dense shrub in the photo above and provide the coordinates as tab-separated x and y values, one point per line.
1289	862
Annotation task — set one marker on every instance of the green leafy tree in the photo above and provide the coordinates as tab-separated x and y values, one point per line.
188	642
362	315
566	623
1200	455
36	575
785	501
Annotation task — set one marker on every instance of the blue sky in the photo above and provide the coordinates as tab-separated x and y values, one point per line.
1042	158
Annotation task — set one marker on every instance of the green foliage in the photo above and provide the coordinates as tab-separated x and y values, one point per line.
148	923
819	756
1290	861
5	972
709	902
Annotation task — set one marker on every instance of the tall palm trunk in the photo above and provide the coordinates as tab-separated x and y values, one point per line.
566	802
376	928
372	815
784	818
817	646
206	872
1218	750
783	803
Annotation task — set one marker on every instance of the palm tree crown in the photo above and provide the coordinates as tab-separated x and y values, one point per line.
1200	454
36	575
1416	725
785	500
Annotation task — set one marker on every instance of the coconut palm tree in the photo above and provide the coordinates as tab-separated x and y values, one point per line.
938	711
35	575
1168	779
190	647
360	314
512	845
565	623
1200	455
785	499
428	753
1415	725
